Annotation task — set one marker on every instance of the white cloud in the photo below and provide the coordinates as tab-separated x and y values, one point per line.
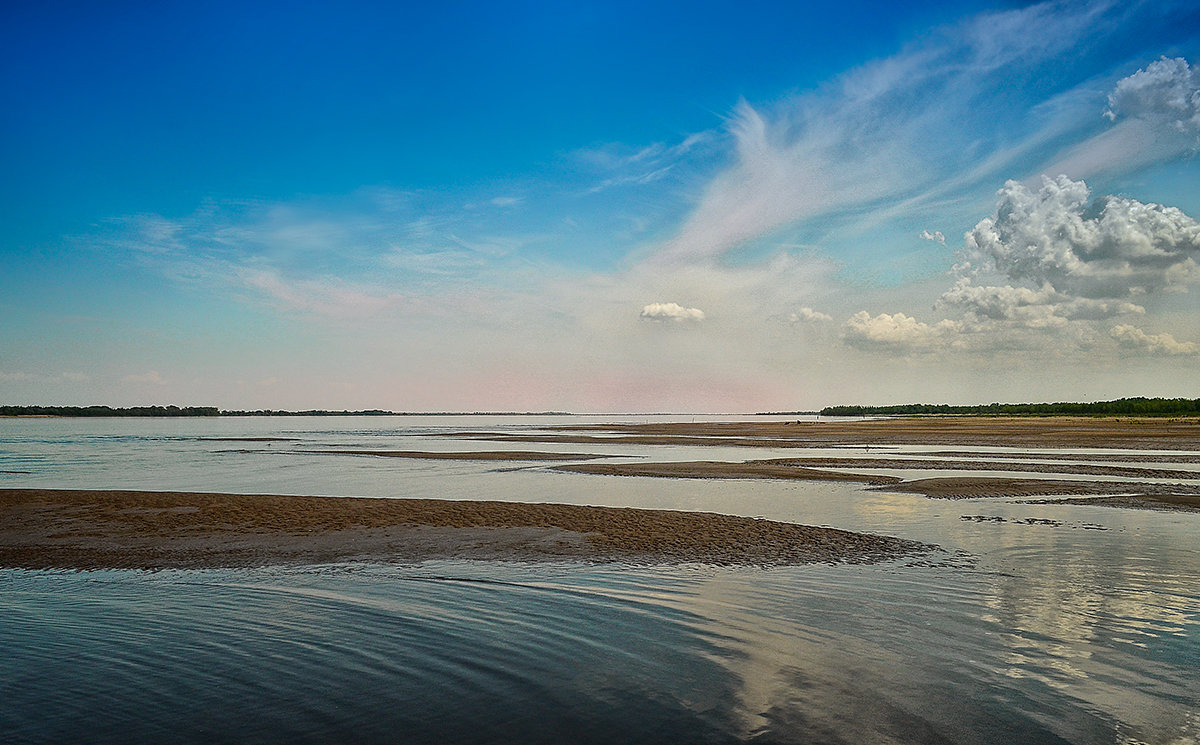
507	201
1156	117
808	315
1112	247
1032	308
1132	337
1166	93
935	236
152	377
895	330
671	312
891	134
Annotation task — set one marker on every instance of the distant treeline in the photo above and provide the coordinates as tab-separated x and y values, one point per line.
1125	406
109	411
76	411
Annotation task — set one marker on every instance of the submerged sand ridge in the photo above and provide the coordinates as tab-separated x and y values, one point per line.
82	529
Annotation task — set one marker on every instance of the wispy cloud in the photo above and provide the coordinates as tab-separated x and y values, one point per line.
894	132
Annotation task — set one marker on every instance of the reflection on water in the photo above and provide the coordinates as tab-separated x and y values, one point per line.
1031	626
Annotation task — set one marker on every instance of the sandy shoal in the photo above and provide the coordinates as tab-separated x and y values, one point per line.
1026	466
707	469
1166	502
86	529
498	455
968	487
1136	433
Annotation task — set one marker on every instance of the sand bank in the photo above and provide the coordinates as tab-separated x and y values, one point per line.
1169	502
78	529
971	487
499	455
706	469
1038	432
933	464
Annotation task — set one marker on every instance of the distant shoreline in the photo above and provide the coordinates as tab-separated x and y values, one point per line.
1136	406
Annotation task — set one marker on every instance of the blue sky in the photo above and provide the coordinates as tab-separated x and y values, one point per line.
617	206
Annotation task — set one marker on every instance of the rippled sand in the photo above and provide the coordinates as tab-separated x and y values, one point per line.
81	529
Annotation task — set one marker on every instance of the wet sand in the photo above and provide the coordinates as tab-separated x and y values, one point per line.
707	469
499	455
1032	432
83	529
972	487
1028	433
932	464
1168	502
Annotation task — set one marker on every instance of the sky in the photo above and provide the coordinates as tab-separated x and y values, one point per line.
598	207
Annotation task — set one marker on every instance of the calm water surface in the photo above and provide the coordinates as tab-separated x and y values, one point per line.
1036	623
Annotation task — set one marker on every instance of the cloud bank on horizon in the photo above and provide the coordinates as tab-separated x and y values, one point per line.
1003	209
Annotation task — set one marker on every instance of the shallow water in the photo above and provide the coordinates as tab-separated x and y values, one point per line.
1036	623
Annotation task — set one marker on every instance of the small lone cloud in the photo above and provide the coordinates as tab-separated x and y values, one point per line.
671	312
149	377
507	201
808	315
934	236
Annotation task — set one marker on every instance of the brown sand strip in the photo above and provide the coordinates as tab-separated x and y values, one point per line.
78	529
987	465
242	439
1115	432
506	455
705	469
1168	502
1112	458
969	488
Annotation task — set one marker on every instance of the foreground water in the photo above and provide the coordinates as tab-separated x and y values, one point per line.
1037	623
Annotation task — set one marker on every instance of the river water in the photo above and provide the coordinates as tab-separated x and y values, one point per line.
1034	623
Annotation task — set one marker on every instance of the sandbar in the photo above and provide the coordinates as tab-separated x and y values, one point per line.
707	469
95	529
501	455
1181	433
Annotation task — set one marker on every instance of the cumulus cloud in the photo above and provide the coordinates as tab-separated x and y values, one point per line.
671	313
1155	115
1166	93
1132	337
935	236
808	315
1040	308
1111	247
891	331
